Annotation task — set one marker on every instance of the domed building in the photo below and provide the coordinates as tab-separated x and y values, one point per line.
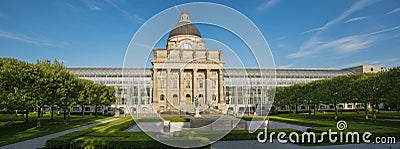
186	74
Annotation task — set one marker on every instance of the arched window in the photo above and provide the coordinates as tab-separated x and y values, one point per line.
175	96
188	84
162	97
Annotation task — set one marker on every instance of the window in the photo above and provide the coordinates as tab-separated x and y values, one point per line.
188	84
201	84
350	106
175	84
87	108
75	109
162	97
186	46
213	84
144	108
175	96
162	83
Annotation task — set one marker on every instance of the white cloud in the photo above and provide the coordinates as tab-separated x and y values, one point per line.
136	18
92	5
279	38
393	11
349	43
381	62
28	39
344	44
355	19
287	65
314	30
266	5
282	45
310	46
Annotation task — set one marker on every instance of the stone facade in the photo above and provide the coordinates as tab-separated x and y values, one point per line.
186	72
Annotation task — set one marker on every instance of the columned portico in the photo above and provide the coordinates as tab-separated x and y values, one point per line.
186	71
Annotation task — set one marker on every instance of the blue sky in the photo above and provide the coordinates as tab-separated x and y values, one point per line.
301	34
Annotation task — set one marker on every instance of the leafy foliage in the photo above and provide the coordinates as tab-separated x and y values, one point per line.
366	88
25	86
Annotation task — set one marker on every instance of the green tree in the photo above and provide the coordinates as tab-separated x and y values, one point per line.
391	81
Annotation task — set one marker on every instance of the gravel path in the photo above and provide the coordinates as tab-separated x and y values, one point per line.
41	141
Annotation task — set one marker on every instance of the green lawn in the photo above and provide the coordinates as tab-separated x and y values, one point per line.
14	129
112	135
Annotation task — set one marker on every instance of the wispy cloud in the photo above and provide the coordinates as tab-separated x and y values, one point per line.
349	43
287	65
279	38
345	44
136	18
381	62
393	11
282	45
311	45
355	19
93	6
28	39
266	5
314	30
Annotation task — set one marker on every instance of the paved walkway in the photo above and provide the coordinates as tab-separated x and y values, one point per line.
179	126
41	141
241	144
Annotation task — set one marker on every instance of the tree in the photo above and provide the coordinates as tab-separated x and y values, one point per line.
391	81
332	89
85	87
375	92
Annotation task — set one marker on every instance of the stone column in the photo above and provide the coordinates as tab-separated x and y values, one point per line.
167	89
220	86
155	91
194	85
155	87
181	87
208	98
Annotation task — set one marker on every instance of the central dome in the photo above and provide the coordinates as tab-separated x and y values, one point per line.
184	27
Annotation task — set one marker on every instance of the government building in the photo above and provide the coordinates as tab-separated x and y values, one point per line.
185	75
